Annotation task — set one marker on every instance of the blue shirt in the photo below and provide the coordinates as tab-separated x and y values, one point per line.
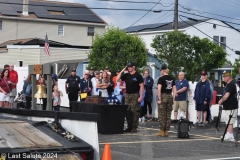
179	85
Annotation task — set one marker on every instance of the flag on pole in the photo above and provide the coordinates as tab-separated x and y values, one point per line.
46	46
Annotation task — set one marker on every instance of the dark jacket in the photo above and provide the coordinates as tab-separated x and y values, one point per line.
84	85
148	84
202	94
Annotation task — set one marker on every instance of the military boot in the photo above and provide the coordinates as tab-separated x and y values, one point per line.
161	133
134	130
166	133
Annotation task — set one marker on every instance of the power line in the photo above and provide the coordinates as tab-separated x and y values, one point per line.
74	6
206	34
184	7
161	16
202	12
145	14
197	20
136	2
227	3
208	17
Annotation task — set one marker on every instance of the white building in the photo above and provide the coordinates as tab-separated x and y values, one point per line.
218	30
69	23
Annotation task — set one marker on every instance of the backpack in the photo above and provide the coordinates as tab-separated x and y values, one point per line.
183	128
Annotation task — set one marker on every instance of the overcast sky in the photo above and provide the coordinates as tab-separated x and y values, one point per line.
124	19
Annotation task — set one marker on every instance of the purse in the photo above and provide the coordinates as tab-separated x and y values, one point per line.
83	95
10	93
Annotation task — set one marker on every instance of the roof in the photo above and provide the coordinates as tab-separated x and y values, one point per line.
39	41
45	9
225	67
161	26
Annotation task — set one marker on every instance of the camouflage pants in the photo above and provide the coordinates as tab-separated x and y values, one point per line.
133	110
164	111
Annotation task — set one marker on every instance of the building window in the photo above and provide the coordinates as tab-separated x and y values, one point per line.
223	42
60	30
216	40
90	31
1	25
220	41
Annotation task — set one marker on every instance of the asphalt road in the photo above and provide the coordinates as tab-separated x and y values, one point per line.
204	143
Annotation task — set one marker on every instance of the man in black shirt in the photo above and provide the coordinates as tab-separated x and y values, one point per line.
91	73
166	85
230	104
134	95
72	87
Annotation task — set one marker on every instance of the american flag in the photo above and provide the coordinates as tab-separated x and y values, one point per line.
46	46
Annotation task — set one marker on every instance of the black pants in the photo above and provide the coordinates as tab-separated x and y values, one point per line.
149	105
72	96
28	102
44	105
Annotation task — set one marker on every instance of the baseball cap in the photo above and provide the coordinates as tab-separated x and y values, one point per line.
92	68
203	73
97	72
164	67
73	70
130	64
106	68
118	70
226	73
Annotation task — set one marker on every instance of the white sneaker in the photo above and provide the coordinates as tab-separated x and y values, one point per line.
231	139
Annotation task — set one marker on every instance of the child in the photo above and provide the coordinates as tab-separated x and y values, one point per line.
56	97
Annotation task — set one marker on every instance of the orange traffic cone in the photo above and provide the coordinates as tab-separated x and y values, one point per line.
107	152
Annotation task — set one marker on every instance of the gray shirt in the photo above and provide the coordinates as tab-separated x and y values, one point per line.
237	78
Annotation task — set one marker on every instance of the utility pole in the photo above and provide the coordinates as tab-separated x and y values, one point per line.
175	21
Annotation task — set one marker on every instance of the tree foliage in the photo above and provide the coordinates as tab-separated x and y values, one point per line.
235	66
115	48
192	54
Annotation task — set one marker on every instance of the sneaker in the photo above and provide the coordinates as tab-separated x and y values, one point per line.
231	139
149	119
127	130
204	124
198	124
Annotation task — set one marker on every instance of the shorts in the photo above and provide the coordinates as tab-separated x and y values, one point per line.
4	97
227	113
202	107
180	104
13	92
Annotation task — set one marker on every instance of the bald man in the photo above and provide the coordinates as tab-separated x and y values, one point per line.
180	100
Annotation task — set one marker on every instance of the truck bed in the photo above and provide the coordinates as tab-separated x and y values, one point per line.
26	139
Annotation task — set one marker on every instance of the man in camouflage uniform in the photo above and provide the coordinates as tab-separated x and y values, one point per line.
134	95
166	85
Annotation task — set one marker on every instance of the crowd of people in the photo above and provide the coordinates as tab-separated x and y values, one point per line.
135	90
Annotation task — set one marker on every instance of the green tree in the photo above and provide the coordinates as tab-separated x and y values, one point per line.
235	66
190	54
115	48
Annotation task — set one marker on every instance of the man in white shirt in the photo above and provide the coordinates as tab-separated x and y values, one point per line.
94	80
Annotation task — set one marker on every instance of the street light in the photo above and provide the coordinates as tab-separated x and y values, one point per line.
237	52
157	11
